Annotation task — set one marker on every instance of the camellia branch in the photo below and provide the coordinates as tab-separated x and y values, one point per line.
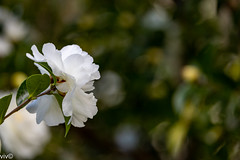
18	108
27	101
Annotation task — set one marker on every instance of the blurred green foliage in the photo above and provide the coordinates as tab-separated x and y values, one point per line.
173	91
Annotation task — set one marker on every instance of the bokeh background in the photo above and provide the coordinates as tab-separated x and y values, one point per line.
170	75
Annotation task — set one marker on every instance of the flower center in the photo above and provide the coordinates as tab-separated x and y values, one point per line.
60	80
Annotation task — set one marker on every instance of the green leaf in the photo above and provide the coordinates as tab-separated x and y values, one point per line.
46	66
22	93
36	84
67	126
4	104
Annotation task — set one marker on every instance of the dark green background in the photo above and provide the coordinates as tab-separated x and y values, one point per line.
149	56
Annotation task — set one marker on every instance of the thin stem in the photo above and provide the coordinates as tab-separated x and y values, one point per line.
18	108
53	88
27	101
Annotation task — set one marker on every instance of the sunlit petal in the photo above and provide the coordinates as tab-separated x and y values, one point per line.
84	104
49	111
37	55
70	50
88	86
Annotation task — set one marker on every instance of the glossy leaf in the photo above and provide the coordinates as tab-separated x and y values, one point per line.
22	93
67	124
37	83
46	66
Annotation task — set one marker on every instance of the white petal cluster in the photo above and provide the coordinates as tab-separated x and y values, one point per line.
21	135
76	72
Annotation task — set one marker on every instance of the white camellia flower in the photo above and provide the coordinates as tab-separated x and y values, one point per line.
75	71
20	135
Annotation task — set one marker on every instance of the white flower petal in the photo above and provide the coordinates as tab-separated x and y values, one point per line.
67	103
82	77
32	106
48	49
72	63
76	122
54	115
53	57
70	50
95	75
43	106
84	104
68	85
30	56
88	86
41	69
90	68
55	69
84	53
37	55
63	87
49	110
87	59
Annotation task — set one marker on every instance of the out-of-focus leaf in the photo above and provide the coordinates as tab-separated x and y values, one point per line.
179	98
4	104
176	136
233	69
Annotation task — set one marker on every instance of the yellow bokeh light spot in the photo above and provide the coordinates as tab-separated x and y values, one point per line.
17	78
